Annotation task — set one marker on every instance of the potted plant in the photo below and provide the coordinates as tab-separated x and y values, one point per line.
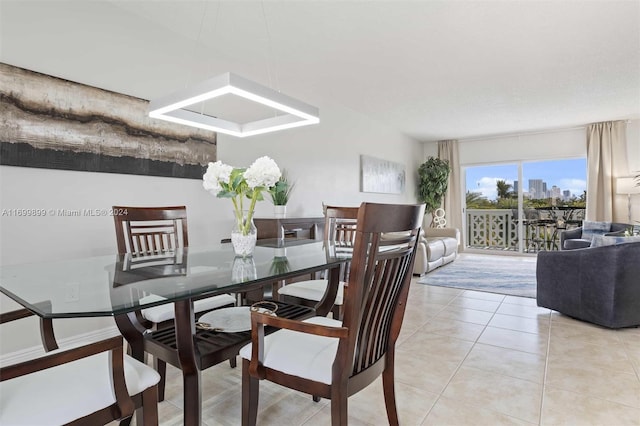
280	194
433	180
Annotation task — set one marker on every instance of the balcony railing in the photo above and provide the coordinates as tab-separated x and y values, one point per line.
497	229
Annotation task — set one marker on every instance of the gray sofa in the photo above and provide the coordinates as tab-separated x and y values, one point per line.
600	285
572	239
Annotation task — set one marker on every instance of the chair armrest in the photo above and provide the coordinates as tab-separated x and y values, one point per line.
420	262
15	315
59	358
46	326
570	234
258	318
443	232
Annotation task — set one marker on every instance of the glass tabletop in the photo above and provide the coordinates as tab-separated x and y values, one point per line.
116	284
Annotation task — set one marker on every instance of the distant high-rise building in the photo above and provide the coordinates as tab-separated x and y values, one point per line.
537	188
566	195
545	191
555	192
515	186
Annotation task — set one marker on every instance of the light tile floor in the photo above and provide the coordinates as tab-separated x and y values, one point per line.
464	358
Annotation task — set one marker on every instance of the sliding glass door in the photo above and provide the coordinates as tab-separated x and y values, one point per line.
522	207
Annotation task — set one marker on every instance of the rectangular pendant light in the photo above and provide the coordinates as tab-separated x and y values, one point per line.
171	107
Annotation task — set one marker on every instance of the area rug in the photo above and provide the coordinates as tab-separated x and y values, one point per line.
512	275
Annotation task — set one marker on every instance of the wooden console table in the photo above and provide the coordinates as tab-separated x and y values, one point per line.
299	228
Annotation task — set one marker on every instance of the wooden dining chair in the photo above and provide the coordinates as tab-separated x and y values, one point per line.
335	359
86	385
339	231
149	233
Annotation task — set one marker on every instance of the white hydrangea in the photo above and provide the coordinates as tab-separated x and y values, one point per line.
263	172
216	172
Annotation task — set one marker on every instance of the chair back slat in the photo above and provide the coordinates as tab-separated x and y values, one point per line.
344	231
378	283
380	300
144	231
340	231
340	224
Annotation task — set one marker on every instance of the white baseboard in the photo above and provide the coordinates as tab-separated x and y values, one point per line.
79	339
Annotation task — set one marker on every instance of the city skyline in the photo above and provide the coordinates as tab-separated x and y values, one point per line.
566	175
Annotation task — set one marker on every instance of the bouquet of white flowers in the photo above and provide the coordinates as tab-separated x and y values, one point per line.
239	184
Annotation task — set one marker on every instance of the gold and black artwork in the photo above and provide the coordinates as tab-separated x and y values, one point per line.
48	122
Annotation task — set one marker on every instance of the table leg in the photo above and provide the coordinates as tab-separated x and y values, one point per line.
185	324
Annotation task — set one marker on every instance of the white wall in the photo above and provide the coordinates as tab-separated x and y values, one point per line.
324	160
569	143
633	145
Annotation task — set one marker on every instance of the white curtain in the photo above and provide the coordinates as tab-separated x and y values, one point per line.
452	204
606	159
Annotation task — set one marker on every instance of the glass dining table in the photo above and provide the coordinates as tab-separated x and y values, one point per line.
121	285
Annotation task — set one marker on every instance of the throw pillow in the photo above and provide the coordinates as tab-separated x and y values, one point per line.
590	228
610	240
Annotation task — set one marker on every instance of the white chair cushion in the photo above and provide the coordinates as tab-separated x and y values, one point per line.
61	394
300	354
311	290
166	312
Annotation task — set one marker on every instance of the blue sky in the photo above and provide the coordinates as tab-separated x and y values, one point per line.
566	174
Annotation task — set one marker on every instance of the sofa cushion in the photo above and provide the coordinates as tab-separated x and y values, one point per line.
576	243
435	249
591	228
450	246
610	240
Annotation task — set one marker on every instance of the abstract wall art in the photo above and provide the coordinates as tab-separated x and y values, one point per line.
377	175
48	122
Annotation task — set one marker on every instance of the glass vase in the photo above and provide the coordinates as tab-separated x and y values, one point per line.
244	235
243	269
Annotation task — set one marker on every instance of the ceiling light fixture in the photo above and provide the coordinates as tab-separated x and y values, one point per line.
179	107
172	107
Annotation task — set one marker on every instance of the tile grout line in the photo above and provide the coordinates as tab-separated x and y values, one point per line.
546	367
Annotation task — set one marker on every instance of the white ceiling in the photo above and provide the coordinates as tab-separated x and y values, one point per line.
432	69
